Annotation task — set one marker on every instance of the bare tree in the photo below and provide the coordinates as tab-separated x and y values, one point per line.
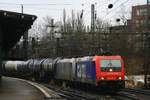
36	30
80	27
64	20
123	14
102	25
73	21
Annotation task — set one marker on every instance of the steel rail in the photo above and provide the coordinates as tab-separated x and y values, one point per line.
126	96
69	95
141	91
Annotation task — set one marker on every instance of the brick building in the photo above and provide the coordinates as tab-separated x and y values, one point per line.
138	23
140	17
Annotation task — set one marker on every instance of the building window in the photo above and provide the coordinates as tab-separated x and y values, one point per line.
143	12
137	12
143	23
137	23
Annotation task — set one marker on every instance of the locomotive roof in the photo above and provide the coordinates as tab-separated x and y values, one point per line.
110	57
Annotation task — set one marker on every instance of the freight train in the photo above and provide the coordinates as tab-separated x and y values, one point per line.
97	71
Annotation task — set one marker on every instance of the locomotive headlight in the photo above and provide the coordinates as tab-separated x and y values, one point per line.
102	78
110	70
119	78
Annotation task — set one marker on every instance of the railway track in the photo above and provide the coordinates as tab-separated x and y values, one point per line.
79	94
70	95
122	95
141	91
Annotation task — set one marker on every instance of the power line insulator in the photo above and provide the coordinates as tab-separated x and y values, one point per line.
110	6
117	20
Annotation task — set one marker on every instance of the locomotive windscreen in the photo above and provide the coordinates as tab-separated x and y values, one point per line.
110	65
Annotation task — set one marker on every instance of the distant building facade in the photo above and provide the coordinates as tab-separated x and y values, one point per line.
141	18
140	21
122	28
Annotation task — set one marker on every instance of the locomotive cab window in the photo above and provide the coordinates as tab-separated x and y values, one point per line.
115	65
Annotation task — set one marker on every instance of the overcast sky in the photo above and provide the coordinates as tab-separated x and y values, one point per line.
55	9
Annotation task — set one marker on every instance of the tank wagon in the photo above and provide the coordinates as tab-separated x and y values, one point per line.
97	71
33	69
12	67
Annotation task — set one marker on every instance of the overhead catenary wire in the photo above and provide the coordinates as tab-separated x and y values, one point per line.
43	8
114	9
117	7
35	4
46	6
116	1
112	3
116	13
99	6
